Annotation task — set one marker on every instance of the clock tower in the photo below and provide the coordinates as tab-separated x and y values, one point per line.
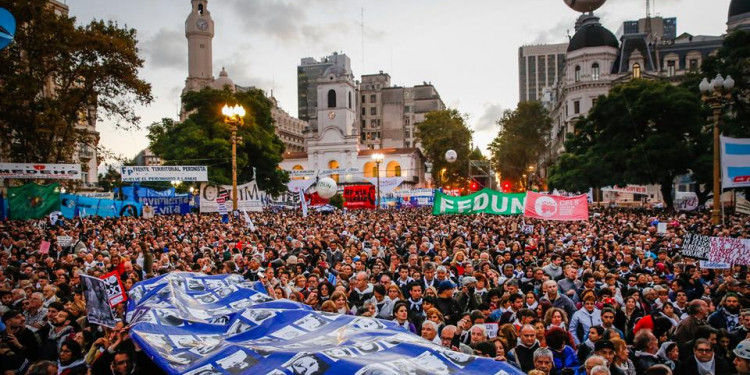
199	31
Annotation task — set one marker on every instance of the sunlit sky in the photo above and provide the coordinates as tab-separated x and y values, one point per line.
467	49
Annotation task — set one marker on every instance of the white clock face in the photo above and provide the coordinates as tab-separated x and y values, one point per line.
331	115
202	24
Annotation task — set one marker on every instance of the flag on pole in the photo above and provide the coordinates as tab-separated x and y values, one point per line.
303	202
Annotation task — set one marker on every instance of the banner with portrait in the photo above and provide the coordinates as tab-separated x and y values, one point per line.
360	197
98	309
223	324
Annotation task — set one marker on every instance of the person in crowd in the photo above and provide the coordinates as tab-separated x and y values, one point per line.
430	332
544	360
561	301
70	361
564	355
622	358
646	346
596	333
522	355
586	317
697	313
703	361
728	315
742	357
669	353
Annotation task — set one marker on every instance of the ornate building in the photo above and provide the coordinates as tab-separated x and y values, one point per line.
199	31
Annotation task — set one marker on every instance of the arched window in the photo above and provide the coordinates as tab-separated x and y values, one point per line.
595	72
200	9
393	169
350	100
370	170
578	73
331	99
636	70
333	164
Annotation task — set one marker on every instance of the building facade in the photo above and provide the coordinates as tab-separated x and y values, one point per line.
539	66
388	115
309	72
199	31
147	158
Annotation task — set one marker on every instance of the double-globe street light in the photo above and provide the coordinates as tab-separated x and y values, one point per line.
716	94
233	116
377	159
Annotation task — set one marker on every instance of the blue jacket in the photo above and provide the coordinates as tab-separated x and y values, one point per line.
564	359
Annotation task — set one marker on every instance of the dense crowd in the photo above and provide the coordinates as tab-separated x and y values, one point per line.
607	296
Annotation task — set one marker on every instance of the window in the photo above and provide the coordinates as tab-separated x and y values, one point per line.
373	98
693	65
578	73
364	123
350	100
595	72
593	101
373	111
364	112
363	99
670	68
331	99
576	107
200	9
407	109
407	121
636	70
397	171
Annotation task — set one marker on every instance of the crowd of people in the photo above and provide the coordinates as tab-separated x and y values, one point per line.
608	296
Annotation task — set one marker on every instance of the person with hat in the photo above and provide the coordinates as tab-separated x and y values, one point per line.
448	306
468	299
742	357
606	349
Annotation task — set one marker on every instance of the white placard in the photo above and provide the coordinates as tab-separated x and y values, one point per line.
661	228
715	265
64	241
164	173
40	171
251	198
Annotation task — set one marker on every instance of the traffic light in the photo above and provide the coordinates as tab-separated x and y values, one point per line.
474	186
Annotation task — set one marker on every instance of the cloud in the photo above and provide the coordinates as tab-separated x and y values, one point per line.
556	34
239	69
166	49
287	20
488	120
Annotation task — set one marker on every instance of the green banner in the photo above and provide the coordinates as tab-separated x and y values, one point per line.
32	201
484	201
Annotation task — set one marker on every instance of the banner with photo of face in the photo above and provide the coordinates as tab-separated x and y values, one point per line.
222	324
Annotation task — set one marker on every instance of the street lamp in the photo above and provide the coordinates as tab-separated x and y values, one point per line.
176	183
378	158
233	116
716	94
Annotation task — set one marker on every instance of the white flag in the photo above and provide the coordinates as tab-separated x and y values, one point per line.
303	202
248	223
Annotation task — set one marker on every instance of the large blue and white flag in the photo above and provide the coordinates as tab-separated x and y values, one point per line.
196	324
735	162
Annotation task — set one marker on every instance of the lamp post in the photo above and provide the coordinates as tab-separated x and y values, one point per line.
378	158
531	177
233	116
716	94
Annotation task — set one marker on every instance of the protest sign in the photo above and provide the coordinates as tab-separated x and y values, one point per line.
44	247
64	241
115	290
484	201
98	309
696	246
359	196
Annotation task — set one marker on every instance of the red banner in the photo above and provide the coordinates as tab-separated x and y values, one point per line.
359	196
314	200
552	207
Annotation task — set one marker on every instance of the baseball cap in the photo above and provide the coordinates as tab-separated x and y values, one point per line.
604	344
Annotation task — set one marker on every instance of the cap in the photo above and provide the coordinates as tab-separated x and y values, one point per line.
444	285
743	349
468	280
292	259
604	344
609	301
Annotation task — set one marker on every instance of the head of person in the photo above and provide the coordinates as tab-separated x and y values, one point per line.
645	341
429	330
544	360
605	349
556	338
596	333
485	349
70	351
478	333
550	287
600	370
592	362
742	357
528	335
447	335
698	308
703	350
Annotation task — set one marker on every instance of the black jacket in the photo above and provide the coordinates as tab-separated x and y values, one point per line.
690	366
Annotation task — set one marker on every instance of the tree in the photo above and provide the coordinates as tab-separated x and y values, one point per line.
522	139
57	76
442	131
110	179
643	132
204	138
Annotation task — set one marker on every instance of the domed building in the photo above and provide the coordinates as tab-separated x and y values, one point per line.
739	15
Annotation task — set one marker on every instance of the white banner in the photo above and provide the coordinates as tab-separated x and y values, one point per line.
735	162
630	189
97	194
387	184
164	173
302	173
40	171
250	197
742	206
64	241
685	201
297	185
714	265
414	192
328	172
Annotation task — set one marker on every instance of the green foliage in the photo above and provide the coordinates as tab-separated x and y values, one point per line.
111	179
337	201
643	132
522	139
442	131
204	139
56	76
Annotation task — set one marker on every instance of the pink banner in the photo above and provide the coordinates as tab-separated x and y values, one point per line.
550	207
